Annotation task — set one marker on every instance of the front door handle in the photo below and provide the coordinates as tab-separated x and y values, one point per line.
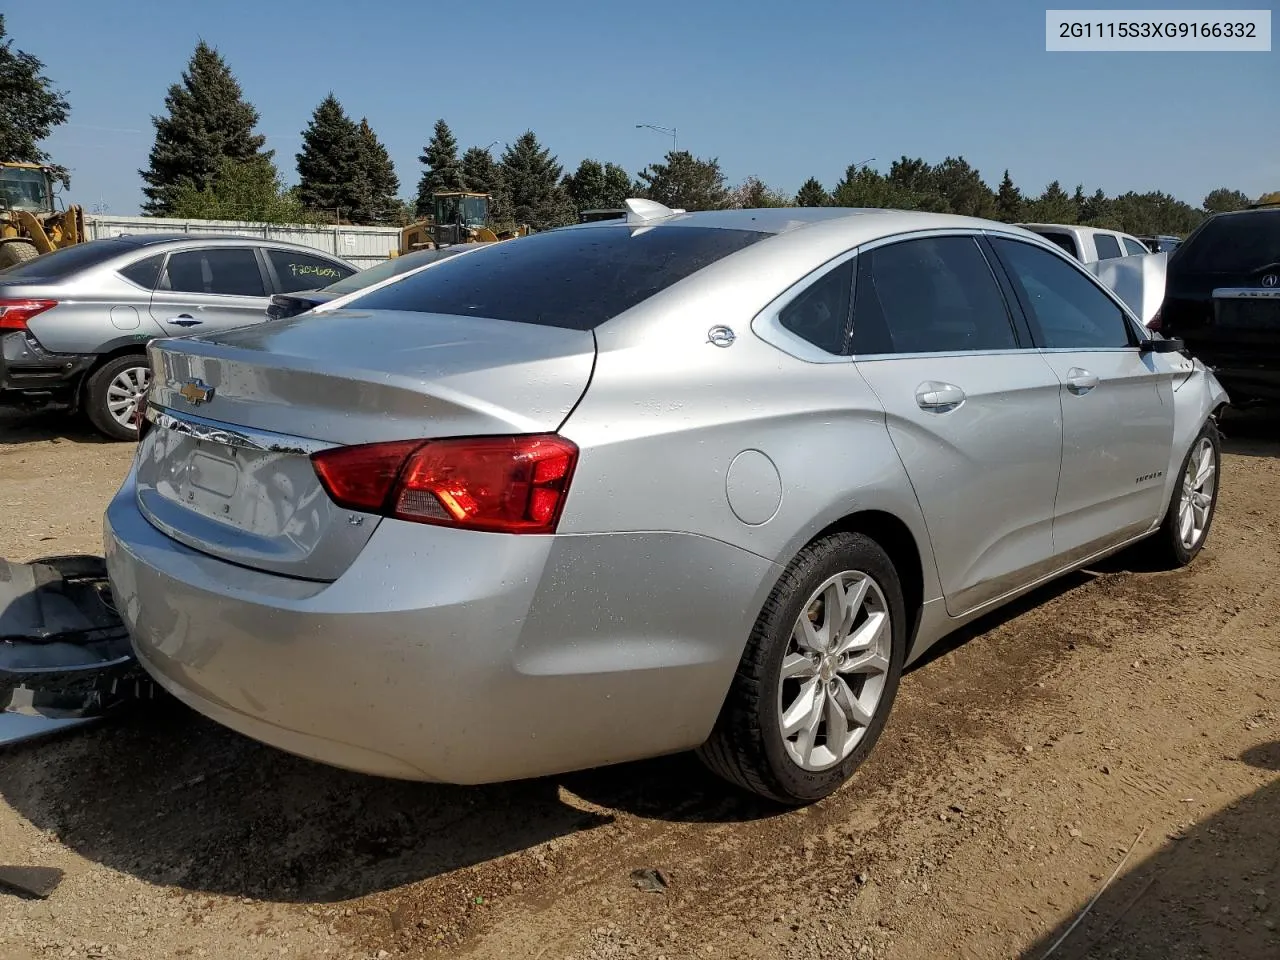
1081	381
185	320
937	397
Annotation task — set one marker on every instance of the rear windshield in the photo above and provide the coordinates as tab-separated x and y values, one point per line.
1232	243
63	263
1064	240
576	278
390	268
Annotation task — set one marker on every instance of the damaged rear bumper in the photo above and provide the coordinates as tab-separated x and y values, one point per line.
65	656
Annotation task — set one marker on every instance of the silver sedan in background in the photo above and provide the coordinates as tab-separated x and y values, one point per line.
75	323
675	481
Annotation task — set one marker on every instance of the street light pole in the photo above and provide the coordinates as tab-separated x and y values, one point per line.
665	131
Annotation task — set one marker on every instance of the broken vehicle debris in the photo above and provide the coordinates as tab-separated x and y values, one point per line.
65	657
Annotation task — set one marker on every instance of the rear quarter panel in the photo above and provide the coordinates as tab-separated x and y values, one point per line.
671	423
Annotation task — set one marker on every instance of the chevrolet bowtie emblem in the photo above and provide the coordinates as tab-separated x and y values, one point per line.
196	392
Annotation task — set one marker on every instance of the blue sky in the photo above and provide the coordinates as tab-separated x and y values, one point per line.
781	91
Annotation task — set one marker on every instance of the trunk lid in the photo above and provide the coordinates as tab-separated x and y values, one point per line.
225	468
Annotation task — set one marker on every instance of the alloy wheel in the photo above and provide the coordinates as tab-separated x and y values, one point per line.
1199	487
833	670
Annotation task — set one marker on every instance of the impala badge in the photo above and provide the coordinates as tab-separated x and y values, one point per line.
196	392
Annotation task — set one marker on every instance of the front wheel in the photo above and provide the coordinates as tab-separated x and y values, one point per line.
112	393
1195	500
818	676
17	251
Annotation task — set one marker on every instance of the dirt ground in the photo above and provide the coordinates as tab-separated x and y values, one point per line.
1119	722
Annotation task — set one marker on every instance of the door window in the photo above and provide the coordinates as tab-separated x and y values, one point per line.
1064	306
1108	247
820	314
229	271
932	295
1133	248
300	271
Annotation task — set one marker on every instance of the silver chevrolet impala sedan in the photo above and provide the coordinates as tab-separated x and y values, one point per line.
666	482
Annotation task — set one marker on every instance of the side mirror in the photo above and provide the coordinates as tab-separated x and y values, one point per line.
1162	345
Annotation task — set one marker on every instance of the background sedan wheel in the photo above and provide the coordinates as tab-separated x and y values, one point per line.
112	393
1191	508
818	676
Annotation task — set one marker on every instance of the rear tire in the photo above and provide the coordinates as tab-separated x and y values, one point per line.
17	251
1186	524
111	392
809	699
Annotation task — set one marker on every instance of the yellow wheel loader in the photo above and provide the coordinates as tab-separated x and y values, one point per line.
29	223
457	216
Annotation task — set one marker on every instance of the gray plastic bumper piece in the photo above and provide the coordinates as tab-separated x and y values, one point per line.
65	656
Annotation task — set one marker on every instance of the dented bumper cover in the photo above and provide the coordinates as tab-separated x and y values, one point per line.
65	656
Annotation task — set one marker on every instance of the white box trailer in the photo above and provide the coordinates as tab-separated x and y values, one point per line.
359	246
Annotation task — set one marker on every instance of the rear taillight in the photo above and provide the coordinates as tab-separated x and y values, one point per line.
1154	322
14	314
498	484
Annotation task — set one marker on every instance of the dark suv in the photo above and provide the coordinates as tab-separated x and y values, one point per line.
1222	297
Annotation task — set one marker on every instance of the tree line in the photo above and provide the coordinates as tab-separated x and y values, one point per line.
209	162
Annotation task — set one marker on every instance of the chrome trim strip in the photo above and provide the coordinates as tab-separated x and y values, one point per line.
1246	293
244	437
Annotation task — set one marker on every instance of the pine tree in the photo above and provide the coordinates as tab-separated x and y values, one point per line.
1224	200
813	194
1054	206
29	106
442	169
379	203
531	182
332	177
208	121
1096	209
686	182
480	174
863	187
1009	203
597	186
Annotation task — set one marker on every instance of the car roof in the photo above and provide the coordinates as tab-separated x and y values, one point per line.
218	239
784	220
1272	209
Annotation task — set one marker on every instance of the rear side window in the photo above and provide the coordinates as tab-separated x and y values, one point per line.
1232	243
229	271
576	278
935	295
820	314
1063	304
1065	241
145	272
1107	246
63	263
300	271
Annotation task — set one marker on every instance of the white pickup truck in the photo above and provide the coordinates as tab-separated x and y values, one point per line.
1090	244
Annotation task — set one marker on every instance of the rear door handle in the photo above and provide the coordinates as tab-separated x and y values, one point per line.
937	397
185	320
1081	381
